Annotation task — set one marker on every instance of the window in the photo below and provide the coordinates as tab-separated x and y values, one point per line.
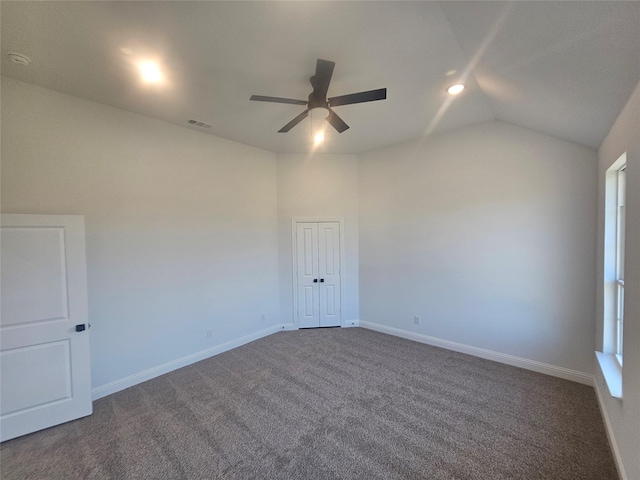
611	357
619	246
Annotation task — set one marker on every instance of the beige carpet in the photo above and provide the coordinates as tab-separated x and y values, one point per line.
330	404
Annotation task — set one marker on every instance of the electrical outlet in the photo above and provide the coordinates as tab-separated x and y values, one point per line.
209	333
263	317
416	319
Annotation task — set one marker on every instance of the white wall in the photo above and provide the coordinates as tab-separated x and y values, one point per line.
318	185
181	227
623	416
488	234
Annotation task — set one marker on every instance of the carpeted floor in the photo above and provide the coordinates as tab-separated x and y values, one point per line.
329	404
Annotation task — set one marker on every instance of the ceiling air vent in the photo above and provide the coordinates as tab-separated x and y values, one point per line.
198	123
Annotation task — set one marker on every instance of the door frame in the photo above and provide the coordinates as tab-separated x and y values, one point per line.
294	260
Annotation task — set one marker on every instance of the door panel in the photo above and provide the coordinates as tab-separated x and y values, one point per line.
44	362
49	381
309	246
309	301
35	259
330	305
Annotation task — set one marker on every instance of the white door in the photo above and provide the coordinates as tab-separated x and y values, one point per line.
318	274
44	332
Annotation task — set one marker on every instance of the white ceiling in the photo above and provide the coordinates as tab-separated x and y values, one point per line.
562	68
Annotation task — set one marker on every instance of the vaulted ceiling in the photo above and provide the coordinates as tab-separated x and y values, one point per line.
561	68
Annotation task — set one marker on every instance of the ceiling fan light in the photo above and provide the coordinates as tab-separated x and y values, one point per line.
319	113
455	89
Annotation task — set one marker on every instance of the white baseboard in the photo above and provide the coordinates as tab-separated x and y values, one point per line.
609	428
534	365
136	378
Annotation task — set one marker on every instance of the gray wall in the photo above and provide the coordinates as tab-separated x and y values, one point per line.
318	186
623	416
181	227
488	234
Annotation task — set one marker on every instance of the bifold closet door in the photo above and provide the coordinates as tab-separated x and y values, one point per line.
318	274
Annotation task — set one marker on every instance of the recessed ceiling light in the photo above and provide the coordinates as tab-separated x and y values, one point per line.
19	58
126	51
455	89
150	72
450	72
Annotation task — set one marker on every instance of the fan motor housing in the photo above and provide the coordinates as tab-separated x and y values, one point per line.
317	101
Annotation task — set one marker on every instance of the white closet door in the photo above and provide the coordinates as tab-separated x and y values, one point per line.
307	275
44	349
329	272
318	274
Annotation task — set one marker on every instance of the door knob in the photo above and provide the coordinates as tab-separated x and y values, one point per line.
322	280
315	280
81	327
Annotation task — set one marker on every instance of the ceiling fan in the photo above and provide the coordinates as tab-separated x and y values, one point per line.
318	105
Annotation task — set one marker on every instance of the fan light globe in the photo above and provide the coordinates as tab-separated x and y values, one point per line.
319	113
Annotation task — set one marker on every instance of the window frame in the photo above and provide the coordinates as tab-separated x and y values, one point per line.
611	358
619	274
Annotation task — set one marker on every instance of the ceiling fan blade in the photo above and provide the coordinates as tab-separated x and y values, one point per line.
294	122
322	78
369	96
336	122
262	98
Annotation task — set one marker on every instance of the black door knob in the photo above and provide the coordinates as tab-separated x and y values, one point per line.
322	280
81	327
315	280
